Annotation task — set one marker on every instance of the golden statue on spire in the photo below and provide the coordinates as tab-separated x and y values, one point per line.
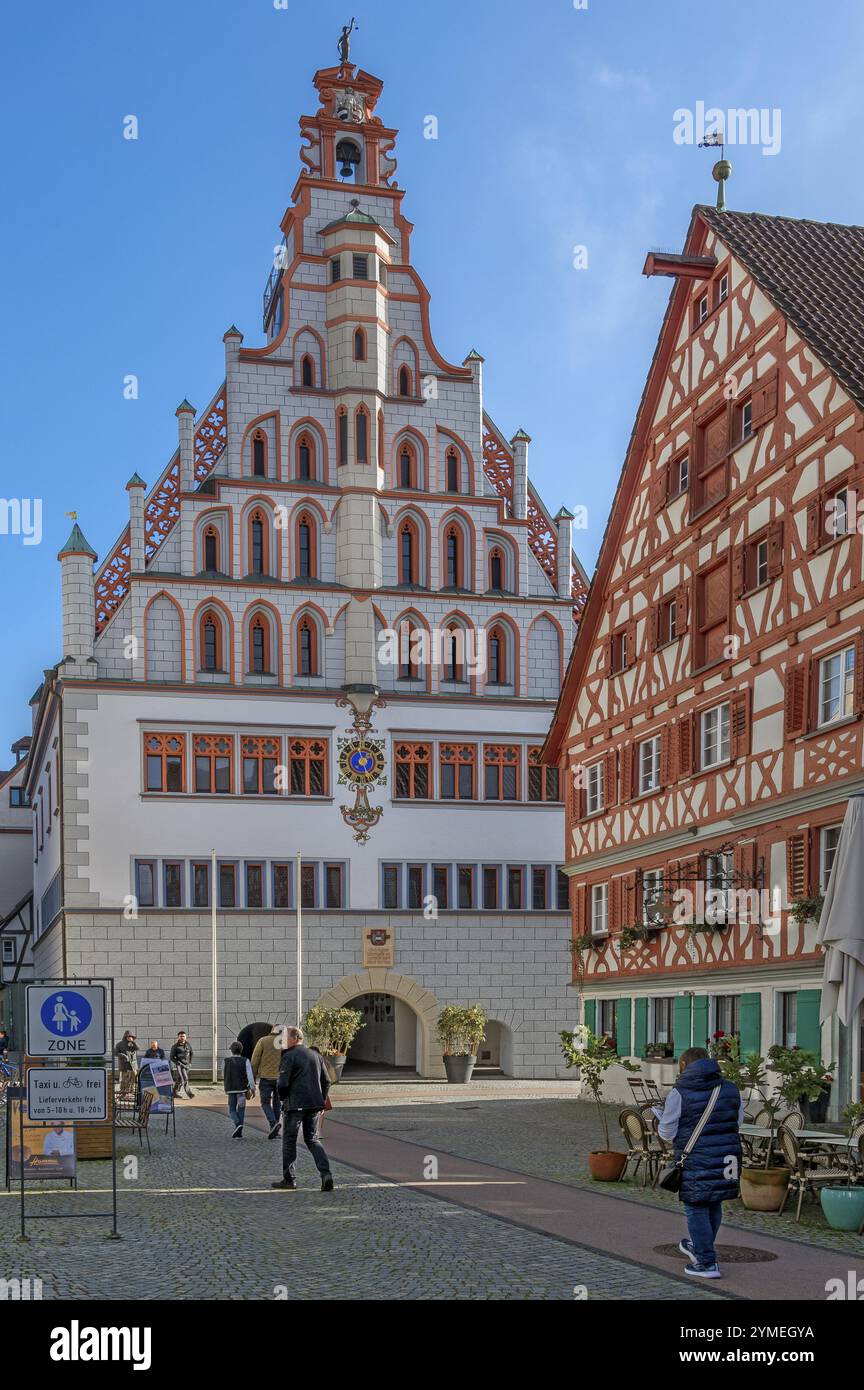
344	44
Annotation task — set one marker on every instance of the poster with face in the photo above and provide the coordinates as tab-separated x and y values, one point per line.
155	1080
47	1151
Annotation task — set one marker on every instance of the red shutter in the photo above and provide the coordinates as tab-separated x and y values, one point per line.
659	490
610	778
580	909
763	401
797	865
745	864
608	648
614	916
859	674
630	633
682	601
626	765
739	571
775	549
686	738
667	756
739	724
815	535
656	615
796	700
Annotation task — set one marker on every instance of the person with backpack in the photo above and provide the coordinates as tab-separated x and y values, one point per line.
701	1117
239	1084
181	1060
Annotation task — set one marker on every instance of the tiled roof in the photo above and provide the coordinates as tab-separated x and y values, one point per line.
814	273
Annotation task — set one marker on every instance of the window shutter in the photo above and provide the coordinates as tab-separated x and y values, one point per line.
630	632
659	490
628	757
667	757
686	737
814	524
739	723
682	1022
739	571
700	1021
634	898
591	1014
580	909
859	674
795	700
763	401
622	1028
796	866
745	865
775	549
656	614
609	646
610	778
751	1024
640	1026
682	601
809	1029
614	911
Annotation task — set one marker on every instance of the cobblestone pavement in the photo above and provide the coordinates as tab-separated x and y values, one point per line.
201	1222
550	1138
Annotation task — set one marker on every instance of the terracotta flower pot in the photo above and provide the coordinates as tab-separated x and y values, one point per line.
763	1189
606	1165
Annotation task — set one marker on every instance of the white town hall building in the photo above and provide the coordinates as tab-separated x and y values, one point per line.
336	626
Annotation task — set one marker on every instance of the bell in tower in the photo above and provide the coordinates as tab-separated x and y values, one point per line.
348	155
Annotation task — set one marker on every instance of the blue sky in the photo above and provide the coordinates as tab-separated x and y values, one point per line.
555	130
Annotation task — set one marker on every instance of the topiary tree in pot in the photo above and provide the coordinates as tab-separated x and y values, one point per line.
461	1029
332	1031
594	1056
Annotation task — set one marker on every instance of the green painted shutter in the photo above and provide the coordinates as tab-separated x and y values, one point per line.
591	1013
622	1028
640	1031
809	1033
751	1023
700	1021
681	1023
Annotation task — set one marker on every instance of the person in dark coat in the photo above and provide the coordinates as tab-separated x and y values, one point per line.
239	1085
180	1058
711	1170
127	1052
303	1085
155	1051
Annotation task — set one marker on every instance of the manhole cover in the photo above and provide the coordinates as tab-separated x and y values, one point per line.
726	1254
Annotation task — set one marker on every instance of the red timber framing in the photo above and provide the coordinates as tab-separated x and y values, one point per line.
161	510
718	672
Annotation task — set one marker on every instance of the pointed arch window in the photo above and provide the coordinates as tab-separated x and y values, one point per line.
211	549
497	657
258	544
305	546
359	345
409	651
361	436
307	371
405	381
453	654
407	467
453	557
259	455
342	436
496	569
408	553
211	655
381	439
452	471
259	645
305	458
307	647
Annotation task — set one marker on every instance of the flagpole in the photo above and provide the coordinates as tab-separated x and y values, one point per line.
215	1008
299	942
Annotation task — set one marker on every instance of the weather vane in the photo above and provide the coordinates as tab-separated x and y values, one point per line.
344	44
716	139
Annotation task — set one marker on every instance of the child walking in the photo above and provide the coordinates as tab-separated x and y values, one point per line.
239	1086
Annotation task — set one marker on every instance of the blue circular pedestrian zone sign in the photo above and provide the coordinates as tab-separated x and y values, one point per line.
66	1013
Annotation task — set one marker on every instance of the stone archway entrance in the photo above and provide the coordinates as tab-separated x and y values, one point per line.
383	984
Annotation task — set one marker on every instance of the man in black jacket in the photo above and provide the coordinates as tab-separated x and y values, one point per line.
181	1060
303	1085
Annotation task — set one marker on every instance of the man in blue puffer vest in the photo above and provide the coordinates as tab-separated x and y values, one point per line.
711	1170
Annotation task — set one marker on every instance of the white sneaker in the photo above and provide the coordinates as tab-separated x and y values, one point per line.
686	1248
704	1271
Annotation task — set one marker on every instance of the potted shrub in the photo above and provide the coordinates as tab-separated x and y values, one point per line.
843	1203
658	1052
807	909
762	1189
594	1056
461	1029
332	1031
806	1081
631	936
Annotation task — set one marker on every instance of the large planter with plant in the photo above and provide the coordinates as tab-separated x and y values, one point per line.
461	1029
332	1031
805	1081
594	1056
843	1207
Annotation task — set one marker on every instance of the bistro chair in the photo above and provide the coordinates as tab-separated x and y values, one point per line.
643	1145
138	1121
793	1119
806	1173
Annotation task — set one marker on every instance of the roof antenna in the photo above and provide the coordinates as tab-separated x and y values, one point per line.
722	169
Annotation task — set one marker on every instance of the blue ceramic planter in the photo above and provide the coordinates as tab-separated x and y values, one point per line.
843	1207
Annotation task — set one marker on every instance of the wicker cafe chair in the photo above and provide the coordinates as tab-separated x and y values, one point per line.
806	1174
793	1119
643	1145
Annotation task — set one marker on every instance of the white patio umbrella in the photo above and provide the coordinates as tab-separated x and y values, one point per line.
841	925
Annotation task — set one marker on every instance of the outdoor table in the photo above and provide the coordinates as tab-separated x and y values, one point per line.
818	1136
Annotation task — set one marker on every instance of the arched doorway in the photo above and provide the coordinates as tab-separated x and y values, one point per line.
422	1003
495	1053
389	1040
